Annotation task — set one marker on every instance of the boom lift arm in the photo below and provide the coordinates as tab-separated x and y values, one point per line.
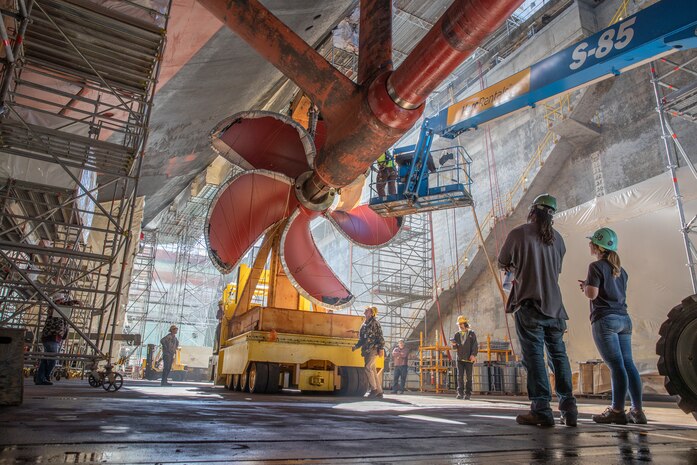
661	29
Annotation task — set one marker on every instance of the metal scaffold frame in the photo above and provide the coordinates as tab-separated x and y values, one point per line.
675	90
397	278
77	82
173	280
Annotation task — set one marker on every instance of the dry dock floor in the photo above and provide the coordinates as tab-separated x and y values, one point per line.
190	423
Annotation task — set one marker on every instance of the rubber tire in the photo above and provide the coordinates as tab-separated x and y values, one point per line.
230	382
349	381
272	385
363	384
671	332
258	377
244	381
236	383
94	382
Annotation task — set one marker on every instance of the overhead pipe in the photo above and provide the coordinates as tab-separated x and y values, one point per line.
455	36
362	121
375	39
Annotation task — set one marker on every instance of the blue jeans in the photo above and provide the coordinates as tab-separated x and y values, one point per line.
535	332
400	372
46	366
613	338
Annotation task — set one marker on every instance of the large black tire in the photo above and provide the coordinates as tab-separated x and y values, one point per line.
363	384
677	350
349	381
230	382
237	383
272	386
258	377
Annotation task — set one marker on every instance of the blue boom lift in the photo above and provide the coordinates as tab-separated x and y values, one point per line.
663	28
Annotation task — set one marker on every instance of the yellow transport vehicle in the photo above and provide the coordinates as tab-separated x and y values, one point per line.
273	338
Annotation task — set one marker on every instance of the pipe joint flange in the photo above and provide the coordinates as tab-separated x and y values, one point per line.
318	205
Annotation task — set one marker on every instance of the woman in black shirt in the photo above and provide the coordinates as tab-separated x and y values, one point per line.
606	287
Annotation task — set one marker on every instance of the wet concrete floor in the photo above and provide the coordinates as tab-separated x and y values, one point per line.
71	422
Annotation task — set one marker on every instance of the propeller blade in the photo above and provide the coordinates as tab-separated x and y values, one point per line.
351	194
264	140
364	227
244	209
305	265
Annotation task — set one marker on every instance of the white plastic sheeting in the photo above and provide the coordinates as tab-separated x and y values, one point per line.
35	171
651	250
150	11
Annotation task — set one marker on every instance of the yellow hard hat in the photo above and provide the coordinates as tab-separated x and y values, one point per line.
373	309
462	319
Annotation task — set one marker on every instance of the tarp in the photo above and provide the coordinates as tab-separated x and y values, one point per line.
652	252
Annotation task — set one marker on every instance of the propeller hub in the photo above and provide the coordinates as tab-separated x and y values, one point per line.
313	196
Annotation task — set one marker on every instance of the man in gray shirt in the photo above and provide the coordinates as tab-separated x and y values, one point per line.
170	343
534	252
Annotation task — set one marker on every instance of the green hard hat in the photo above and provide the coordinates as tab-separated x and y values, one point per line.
545	200
605	238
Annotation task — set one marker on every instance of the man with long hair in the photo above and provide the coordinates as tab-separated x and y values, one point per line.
534	252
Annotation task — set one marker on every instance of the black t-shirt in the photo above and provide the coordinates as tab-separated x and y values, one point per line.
612	292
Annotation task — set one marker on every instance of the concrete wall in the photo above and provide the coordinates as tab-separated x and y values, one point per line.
627	150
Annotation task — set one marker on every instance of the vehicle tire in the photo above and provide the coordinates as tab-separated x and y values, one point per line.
677	349
362	384
112	382
94	381
244	381
273	385
230	382
258	377
349	381
236	383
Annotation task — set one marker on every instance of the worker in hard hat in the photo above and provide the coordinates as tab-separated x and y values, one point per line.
534	253
387	174
372	346
170	344
466	348
606	287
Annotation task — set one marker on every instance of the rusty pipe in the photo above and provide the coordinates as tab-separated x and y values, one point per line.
375	40
450	41
283	48
363	120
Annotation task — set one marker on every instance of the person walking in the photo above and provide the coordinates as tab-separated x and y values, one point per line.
534	252
170	343
400	359
55	330
372	346
606	287
466	346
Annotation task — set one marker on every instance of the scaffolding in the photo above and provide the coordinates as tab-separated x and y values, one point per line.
674	83
173	280
397	278
76	88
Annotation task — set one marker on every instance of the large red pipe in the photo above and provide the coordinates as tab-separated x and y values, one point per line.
453	38
362	121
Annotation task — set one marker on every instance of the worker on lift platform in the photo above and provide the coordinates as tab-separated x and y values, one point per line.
387	174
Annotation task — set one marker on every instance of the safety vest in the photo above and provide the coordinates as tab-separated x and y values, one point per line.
386	161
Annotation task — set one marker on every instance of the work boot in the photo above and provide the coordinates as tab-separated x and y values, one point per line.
611	416
535	419
569	418
378	395
636	416
569	412
459	396
370	393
